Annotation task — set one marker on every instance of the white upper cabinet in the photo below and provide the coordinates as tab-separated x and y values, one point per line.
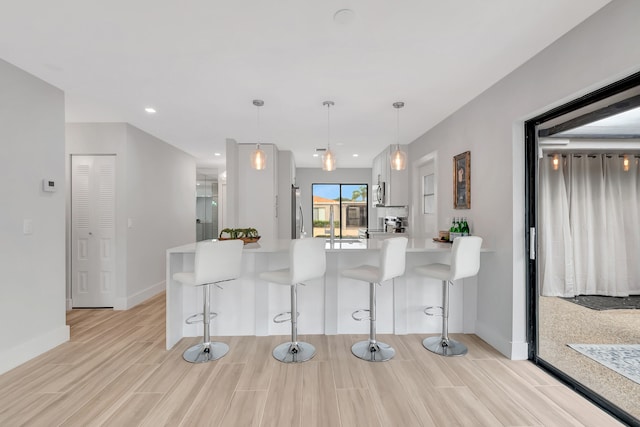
286	179
396	183
257	191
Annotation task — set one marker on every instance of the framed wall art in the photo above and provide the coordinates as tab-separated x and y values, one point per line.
462	181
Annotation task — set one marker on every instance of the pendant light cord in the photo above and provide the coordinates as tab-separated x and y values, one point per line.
328	126
258	121
398	128
398	105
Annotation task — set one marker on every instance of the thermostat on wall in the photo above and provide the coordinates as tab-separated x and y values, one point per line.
49	185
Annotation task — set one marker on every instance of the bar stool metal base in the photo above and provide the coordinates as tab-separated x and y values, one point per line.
373	352
444	347
202	353
290	352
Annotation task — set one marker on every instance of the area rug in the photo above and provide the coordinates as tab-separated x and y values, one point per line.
598	302
622	358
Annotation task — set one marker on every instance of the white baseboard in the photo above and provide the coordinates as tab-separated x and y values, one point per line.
26	351
139	297
512	350
69	304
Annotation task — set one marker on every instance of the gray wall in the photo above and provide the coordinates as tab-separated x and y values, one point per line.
32	309
603	49
161	183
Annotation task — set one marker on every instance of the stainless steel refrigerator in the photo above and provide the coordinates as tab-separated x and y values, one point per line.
297	220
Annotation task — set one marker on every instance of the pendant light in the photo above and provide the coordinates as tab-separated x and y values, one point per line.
328	158
258	158
398	157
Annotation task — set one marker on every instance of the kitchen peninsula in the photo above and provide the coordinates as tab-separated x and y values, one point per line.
247	306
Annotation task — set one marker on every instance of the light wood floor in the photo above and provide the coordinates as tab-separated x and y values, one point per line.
115	372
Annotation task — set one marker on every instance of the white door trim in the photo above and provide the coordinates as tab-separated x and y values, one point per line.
416	211
93	230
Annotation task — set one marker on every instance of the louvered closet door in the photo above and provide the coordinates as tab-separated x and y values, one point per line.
93	231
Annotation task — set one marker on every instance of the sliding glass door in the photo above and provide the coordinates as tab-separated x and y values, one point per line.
346	204
583	195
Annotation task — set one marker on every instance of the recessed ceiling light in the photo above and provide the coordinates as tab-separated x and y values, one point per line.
217	154
316	155
355	155
150	110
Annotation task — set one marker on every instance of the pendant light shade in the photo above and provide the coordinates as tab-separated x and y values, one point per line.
398	160
398	157
328	161
258	158
328	158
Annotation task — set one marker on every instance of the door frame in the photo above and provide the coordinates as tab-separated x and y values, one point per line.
531	223
70	255
417	202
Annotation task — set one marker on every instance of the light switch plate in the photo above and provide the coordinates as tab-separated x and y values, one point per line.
27	226
49	185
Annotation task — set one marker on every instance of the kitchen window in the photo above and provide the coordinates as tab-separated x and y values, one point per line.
347	202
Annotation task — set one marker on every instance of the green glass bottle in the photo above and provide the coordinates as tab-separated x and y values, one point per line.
452	230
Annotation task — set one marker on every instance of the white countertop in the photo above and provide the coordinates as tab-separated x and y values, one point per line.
282	245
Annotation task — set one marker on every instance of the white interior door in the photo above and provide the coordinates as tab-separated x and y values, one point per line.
93	231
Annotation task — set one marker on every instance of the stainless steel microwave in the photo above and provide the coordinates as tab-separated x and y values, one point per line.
379	194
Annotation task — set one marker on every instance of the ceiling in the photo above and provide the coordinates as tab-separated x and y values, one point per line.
622	125
201	63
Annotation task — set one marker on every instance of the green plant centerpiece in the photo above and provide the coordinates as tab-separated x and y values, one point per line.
248	235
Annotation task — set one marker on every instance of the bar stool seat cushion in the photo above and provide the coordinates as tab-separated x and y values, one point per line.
436	271
186	278
280	277
306	262
216	261
366	273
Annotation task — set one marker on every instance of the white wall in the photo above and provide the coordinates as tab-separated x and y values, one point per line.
155	193
32	288
600	51
307	176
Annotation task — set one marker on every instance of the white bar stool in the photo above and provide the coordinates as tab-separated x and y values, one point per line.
215	262
392	264
307	260
465	262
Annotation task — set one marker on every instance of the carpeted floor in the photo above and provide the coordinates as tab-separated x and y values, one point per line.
598	302
562	322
